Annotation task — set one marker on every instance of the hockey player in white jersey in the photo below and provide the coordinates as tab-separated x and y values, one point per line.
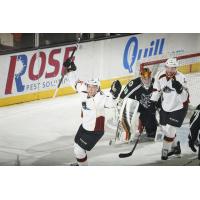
94	102
171	86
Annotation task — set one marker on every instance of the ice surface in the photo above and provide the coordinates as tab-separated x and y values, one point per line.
42	133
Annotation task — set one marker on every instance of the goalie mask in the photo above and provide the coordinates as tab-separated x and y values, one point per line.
145	75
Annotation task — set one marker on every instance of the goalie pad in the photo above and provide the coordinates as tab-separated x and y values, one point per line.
127	120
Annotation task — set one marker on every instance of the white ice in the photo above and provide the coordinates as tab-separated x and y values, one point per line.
42	133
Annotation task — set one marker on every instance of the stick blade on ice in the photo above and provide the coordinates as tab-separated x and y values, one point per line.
125	155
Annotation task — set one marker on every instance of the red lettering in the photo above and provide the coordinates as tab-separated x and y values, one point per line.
11	72
39	71
54	63
33	76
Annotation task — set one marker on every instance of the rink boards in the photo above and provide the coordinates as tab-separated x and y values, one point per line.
69	90
49	93
33	75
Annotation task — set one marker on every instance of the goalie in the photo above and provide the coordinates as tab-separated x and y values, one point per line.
141	89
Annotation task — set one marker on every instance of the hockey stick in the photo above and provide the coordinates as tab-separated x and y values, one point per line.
62	76
125	155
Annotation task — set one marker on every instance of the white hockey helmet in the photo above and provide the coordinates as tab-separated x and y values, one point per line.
93	81
171	62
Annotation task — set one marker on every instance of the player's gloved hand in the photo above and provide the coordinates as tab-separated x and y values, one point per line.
116	88
177	86
69	65
72	67
191	144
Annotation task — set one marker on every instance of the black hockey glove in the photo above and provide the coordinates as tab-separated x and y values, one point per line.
177	86
73	67
115	88
69	65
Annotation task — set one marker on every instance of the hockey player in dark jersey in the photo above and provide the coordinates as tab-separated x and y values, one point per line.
141	89
194	129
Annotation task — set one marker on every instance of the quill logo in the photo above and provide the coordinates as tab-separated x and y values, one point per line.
132	53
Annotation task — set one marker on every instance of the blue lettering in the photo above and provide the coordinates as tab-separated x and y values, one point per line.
134	54
161	46
156	47
18	80
151	49
139	54
145	52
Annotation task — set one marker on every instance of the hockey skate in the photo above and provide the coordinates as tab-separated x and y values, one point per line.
191	145
164	155
175	150
74	164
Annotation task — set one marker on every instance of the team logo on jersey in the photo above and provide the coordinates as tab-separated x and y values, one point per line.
125	90
166	89
174	120
84	106
130	83
145	100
